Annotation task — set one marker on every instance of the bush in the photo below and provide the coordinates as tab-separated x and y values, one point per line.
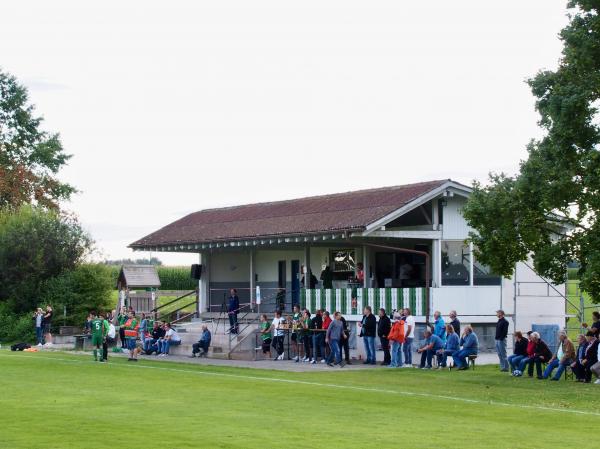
15	328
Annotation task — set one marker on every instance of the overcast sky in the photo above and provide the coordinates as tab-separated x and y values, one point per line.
172	107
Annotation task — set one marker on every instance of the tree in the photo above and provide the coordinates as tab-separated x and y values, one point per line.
30	157
87	287
550	209
35	246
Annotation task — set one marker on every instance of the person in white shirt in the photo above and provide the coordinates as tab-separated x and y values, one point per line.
172	338
409	333
278	334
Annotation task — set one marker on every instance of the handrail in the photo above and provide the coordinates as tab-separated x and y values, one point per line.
156	309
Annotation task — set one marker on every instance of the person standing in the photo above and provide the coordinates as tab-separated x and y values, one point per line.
396	337
38	318
278	334
48	325
368	330
439	327
409	330
265	335
121	320
335	333
501	334
384	326
98	331
318	338
131	329
306	337
327	278
296	332
454	321
345	342
233	308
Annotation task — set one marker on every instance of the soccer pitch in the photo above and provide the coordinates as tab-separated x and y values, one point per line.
60	400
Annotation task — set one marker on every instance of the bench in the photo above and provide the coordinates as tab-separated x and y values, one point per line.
471	360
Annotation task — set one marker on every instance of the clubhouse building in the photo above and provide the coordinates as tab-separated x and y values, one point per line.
388	247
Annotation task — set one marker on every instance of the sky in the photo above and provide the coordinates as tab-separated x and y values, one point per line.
173	107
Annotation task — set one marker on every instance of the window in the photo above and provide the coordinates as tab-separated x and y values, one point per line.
456	261
483	275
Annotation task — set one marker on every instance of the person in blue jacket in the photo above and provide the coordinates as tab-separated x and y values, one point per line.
432	345
233	308
451	347
439	327
470	346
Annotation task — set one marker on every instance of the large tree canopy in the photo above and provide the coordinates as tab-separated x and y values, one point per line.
551	208
35	246
30	157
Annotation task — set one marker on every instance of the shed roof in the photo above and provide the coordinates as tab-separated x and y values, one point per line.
349	211
139	276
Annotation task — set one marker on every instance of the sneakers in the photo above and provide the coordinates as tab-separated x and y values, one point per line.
313	362
322	360
282	356
297	358
39	345
597	382
305	359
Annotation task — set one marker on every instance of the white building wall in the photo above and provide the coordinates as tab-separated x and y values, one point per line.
454	224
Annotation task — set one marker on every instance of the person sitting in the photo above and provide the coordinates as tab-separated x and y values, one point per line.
565	355
451	346
151	344
519	351
590	357
541	354
470	346
203	344
171	338
432	345
530	356
576	366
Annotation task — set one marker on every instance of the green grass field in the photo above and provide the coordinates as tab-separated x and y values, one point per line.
59	400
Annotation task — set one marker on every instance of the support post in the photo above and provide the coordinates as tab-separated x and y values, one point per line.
204	283
252	280
471	265
366	267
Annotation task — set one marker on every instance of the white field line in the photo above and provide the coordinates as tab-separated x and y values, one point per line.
324	385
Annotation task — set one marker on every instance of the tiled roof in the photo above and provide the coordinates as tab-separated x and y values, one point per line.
337	212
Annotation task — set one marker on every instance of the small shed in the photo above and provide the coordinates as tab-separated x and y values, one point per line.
138	287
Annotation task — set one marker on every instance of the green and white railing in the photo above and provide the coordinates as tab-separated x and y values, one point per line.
341	299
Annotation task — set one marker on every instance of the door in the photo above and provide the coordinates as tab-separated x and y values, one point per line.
281	281
295	282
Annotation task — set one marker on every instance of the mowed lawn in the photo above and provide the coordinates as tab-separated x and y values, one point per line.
60	400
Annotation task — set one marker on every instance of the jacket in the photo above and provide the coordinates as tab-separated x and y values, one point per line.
542	350
369	326
568	350
470	342
452	342
501	329
233	305
520	347
591	353
335	330
206	337
440	328
384	326
397	332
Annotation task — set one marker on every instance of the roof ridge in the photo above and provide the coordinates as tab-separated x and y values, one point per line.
328	195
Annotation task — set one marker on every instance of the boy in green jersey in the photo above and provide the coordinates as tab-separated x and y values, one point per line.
98	330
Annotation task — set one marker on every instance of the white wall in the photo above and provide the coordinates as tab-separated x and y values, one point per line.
454	224
230	267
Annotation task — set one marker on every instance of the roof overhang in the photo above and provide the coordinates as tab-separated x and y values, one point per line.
447	188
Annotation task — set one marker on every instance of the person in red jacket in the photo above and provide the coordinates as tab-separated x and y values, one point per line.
528	359
326	322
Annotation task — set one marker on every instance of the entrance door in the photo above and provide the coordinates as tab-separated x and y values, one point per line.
295	282
281	281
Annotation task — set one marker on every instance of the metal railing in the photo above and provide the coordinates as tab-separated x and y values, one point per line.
179	308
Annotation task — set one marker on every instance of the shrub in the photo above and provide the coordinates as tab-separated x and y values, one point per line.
14	327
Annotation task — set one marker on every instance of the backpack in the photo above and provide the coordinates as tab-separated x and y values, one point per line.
397	332
20	347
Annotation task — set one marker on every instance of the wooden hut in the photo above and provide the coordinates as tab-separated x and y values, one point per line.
138	287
